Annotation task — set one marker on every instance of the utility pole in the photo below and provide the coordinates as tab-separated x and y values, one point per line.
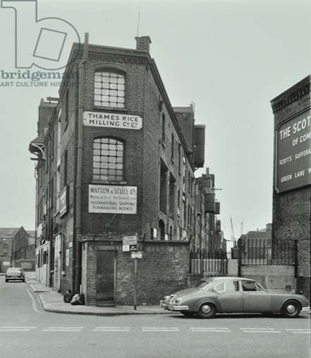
135	283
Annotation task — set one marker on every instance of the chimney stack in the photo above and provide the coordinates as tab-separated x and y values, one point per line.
143	43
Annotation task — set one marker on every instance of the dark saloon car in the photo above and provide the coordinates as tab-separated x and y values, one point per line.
14	273
233	295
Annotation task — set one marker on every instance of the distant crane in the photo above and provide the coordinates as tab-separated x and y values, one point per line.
232	232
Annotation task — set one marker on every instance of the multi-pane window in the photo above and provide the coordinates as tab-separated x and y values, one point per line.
108	154
172	197
163	188
66	168
109	89
163	128
179	158
67	106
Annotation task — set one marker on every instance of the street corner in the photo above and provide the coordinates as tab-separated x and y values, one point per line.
53	302
38	287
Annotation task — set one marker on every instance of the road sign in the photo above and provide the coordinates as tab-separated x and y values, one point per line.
126	248
136	254
129	243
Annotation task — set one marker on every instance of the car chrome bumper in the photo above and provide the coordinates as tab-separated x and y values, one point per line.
170	307
179	308
306	309
15	278
164	304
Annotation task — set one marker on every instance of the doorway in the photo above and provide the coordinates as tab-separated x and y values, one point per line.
105	278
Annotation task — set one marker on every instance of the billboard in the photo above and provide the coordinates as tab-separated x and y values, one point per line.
112	199
293	153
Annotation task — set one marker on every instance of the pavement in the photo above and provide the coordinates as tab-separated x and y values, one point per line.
52	301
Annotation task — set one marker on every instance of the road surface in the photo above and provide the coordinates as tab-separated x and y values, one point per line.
29	332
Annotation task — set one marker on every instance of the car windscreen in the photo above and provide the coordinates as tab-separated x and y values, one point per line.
14	270
202	284
260	287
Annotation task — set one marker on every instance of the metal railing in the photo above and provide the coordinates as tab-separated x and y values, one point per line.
209	266
266	252
214	262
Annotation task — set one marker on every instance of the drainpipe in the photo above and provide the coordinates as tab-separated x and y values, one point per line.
77	281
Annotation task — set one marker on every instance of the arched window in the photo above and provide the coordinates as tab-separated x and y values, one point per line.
162	229
108	159
109	89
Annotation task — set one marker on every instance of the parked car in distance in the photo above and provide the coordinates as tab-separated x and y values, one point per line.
233	295
14	273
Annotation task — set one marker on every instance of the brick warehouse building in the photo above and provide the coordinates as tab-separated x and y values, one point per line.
116	162
12	240
209	240
292	175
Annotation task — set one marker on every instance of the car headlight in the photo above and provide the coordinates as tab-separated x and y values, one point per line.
171	299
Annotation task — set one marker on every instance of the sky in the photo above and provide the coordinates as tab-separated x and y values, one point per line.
230	58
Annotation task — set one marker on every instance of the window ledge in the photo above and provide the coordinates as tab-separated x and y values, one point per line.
107	182
114	109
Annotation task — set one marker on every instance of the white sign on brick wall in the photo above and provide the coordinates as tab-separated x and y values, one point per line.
136	255
129	243
112	120
112	199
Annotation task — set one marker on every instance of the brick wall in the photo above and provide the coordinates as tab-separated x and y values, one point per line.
185	116
20	240
143	148
26	264
291	209
162	270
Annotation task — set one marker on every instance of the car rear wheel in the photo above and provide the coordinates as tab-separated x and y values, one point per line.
6	280
187	313
291	309
207	310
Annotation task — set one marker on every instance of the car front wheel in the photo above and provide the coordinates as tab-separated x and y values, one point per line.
291	309
207	310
